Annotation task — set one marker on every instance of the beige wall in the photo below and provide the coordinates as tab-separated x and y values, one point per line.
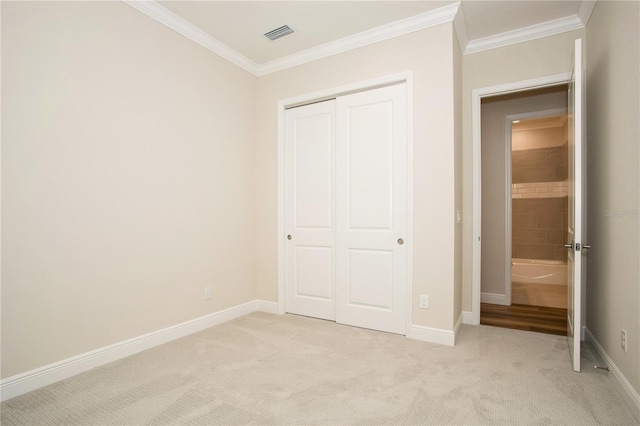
523	61
457	92
613	135
429	55
494	157
127	180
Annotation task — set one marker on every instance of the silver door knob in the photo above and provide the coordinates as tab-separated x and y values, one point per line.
400	241
586	246
570	246
289	237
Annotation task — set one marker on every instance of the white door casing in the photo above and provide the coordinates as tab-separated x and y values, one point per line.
473	317
576	237
372	209
346	209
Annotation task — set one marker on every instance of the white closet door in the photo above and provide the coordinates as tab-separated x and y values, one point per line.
310	210
372	203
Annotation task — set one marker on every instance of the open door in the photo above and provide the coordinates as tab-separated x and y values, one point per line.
576	219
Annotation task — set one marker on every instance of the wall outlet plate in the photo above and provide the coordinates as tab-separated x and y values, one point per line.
424	301
207	293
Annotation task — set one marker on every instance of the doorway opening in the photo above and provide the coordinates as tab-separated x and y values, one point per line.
524	210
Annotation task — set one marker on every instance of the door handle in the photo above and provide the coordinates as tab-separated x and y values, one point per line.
569	246
586	246
400	241
289	237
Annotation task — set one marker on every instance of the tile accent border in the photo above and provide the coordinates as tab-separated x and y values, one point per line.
540	190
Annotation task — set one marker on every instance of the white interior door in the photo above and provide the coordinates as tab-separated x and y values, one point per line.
576	219
310	210
372	204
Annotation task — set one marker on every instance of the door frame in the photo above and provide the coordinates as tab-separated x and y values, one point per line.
322	95
508	241
476	226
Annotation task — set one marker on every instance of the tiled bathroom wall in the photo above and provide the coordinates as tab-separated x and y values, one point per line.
538	228
539	203
539	165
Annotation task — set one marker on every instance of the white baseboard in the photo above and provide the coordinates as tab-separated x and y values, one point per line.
621	382
266	306
432	335
43	376
494	299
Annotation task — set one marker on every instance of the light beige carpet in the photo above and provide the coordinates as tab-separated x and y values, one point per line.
272	369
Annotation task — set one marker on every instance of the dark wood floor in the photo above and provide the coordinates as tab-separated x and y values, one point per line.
525	317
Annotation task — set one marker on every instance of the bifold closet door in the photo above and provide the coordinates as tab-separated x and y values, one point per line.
310	210
346	209
371	209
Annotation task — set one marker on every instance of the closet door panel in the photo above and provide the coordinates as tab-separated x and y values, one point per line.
370	166
310	210
371	209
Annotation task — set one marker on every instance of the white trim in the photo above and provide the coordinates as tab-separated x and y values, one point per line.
460	27
622	384
532	32
467	318
432	335
493	299
508	234
476	97
585	11
404	77
402	27
266	306
190	31
48	374
281	200
408	80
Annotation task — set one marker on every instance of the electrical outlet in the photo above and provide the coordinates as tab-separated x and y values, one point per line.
207	293
623	339
424	301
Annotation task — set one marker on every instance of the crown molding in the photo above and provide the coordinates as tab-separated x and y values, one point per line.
395	29
586	8
385	32
187	29
545	29
460	26
449	13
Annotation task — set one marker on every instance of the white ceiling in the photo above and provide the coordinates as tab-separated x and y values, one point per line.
236	28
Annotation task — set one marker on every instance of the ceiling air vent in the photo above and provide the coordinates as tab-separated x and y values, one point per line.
279	32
